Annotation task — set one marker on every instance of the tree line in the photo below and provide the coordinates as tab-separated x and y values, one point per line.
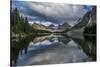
20	25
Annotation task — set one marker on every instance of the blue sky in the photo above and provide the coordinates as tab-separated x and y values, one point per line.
48	13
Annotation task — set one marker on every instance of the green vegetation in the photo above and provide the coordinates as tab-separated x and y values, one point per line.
91	45
20	26
90	29
90	38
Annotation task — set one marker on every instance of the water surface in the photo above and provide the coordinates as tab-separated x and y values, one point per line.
52	49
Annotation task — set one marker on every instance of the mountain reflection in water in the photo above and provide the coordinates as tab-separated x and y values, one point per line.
52	49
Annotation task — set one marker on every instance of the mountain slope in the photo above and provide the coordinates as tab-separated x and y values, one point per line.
52	26
40	27
88	19
90	28
83	21
64	26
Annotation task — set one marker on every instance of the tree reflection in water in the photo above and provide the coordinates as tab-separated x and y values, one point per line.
52	49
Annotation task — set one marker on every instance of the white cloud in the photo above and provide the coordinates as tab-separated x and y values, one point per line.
54	12
62	12
46	23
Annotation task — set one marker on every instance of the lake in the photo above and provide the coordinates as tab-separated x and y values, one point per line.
52	49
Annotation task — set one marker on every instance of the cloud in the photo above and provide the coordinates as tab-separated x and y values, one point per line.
52	12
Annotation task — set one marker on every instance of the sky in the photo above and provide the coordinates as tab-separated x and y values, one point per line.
48	13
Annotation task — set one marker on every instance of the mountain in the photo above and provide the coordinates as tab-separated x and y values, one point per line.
52	26
88	19
90	28
87	24
92	17
40	27
83	21
64	26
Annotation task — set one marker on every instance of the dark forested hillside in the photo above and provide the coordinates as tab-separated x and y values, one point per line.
91	26
20	25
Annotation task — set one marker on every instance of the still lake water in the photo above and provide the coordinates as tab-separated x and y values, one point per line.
52	49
